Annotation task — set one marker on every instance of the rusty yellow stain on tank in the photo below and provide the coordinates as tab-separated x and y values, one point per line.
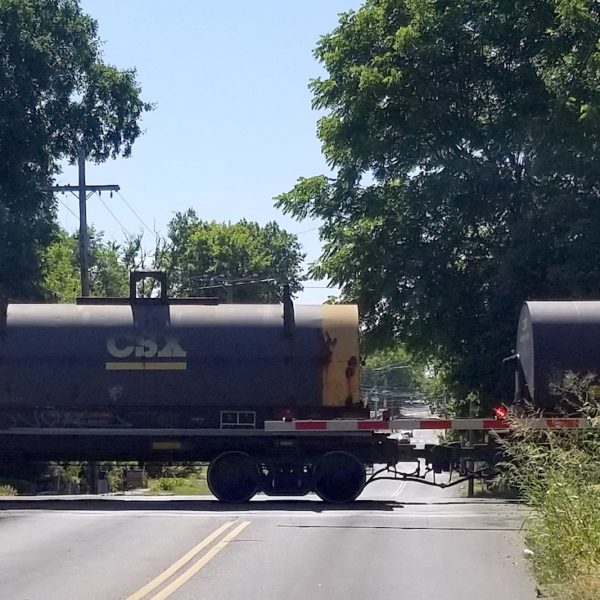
341	374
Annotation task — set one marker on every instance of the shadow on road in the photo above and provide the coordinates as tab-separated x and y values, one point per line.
465	502
200	504
403	527
191	504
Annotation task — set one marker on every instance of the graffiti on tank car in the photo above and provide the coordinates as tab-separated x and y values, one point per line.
115	392
55	418
152	350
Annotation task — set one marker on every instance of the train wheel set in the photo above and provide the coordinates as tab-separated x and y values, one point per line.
236	477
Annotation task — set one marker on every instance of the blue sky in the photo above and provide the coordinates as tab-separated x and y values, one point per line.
233	125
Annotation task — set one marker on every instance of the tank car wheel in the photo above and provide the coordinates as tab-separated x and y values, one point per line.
233	477
339	477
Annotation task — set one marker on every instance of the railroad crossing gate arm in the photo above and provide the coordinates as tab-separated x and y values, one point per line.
492	424
453	457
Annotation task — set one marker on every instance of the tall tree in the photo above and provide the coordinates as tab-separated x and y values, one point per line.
465	139
110	264
391	369
56	94
241	261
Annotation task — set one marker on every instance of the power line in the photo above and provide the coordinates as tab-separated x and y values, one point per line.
230	282
394	367
306	230
123	229
68	208
152	232
82	190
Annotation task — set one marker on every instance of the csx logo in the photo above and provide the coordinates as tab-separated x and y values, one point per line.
141	346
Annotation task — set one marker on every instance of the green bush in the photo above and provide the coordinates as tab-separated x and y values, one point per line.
7	490
20	486
166	484
181	470
558	473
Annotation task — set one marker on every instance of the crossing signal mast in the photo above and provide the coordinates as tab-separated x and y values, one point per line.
83	191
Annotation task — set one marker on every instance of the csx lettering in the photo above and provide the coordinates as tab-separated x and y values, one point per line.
144	347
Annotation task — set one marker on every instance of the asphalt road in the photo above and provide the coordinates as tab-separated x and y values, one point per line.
397	541
405	546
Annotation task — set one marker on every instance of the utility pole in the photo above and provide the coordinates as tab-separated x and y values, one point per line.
84	191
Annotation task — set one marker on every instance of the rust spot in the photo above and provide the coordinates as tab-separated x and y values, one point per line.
325	357
350	369
350	372
327	348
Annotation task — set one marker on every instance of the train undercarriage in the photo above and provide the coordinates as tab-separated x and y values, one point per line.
335	464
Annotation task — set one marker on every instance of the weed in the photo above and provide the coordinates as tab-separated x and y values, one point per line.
558	473
182	486
7	490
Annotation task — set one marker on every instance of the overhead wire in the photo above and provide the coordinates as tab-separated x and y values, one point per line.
148	229
112	214
306	230
68	208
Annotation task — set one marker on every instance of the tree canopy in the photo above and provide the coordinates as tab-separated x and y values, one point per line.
56	95
391	369
110	264
465	142
240	262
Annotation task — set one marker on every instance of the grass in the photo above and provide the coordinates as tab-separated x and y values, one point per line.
583	587
7	490
178	486
565	537
488	489
558	475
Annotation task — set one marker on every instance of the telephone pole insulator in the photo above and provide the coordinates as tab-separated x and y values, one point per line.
82	190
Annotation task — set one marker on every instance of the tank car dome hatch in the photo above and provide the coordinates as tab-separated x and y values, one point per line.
553	338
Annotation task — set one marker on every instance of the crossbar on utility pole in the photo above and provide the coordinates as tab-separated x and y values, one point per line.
82	190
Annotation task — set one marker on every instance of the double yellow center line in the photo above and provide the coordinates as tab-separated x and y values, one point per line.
185	559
